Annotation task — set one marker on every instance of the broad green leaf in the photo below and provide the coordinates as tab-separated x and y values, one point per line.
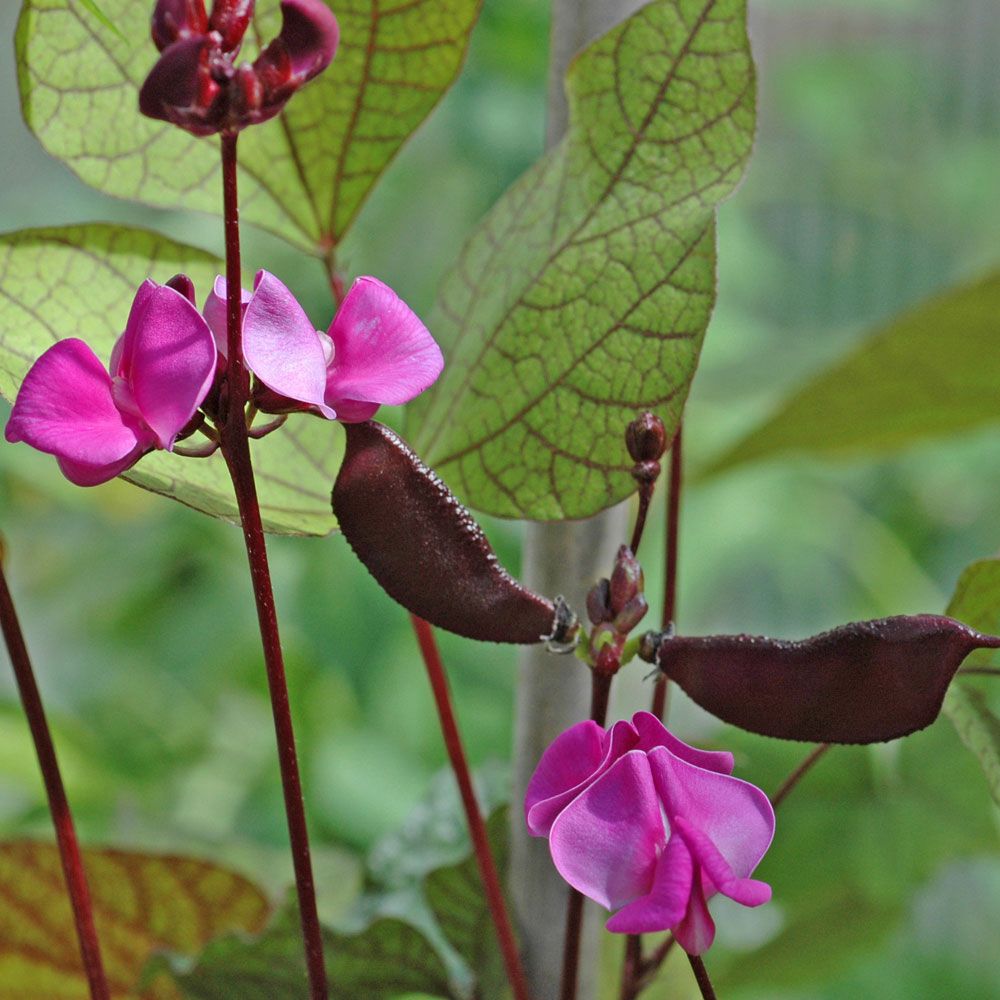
79	281
584	295
142	903
101	16
931	371
977	602
305	174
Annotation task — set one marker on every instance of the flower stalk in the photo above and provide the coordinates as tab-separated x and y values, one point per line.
236	449
473	816
62	818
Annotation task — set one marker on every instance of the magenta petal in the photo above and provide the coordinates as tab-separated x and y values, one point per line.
567	762
123	351
215	313
735	815
173	82
666	903
696	932
382	352
748	891
652	733
65	407
82	474
605	842
309	34
169	363
281	346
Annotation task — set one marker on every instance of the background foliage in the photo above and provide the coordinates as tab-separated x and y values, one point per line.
869	190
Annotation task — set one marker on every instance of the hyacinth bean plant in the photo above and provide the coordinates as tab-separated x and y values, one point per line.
549	384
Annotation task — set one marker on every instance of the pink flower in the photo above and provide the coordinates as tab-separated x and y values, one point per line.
650	827
99	423
376	350
196	83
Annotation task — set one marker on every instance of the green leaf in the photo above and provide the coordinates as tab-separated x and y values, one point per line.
141	903
584	295
305	174
931	371
79	281
101	16
977	602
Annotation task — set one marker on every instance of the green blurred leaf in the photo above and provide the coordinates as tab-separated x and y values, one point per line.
584	295
933	370
141	903
79	281
305	174
101	16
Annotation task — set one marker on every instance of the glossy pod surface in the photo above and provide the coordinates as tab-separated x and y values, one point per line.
866	682
423	546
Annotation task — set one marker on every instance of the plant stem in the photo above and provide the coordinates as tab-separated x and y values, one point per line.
701	975
985	671
659	707
473	816
796	776
62	819
236	449
631	967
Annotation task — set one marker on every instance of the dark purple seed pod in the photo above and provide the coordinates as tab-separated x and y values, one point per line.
866	682
427	551
646	438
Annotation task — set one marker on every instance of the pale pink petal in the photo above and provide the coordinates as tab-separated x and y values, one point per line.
605	842
169	363
748	891
666	902
571	762
382	352
696	932
735	815
652	733
215	313
281	346
65	407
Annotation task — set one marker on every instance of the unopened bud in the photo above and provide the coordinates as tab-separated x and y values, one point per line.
630	615
626	580
177	19
183	284
230	19
599	602
646	438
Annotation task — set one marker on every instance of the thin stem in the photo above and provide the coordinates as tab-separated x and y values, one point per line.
473	816
986	671
62	819
798	774
701	975
631	966
334	276
600	693
236	449
645	496
659	707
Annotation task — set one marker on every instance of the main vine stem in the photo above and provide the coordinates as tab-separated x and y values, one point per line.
473	816
62	819
236	449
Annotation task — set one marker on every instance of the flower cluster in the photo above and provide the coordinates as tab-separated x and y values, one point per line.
98	422
650	827
196	83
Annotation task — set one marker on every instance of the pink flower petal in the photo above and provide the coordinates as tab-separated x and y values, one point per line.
123	351
652	733
666	902
382	352
82	474
168	361
735	815
281	346
696	932
65	407
215	313
605	842
747	891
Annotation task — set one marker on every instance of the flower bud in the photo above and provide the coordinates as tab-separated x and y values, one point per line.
646	438
599	602
626	580
174	20
630	615
230	19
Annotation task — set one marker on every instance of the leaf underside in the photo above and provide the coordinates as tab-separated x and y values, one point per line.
78	281
305	174
583	297
942	353
142	903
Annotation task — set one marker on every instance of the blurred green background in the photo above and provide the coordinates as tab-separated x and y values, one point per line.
873	184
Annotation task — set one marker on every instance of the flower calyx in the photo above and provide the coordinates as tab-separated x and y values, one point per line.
197	85
615	606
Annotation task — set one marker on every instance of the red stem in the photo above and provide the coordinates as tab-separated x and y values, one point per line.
236	449
631	967
701	975
62	819
798	774
659	707
600	692
473	816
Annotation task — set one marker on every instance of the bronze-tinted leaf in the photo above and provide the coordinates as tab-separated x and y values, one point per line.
865	682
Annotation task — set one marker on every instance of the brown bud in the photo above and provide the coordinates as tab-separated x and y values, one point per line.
630	615
646	438
599	602
626	580
183	284
865	682
230	19
426	549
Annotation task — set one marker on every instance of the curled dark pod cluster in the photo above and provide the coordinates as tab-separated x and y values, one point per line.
615	606
197	83
865	682
427	551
